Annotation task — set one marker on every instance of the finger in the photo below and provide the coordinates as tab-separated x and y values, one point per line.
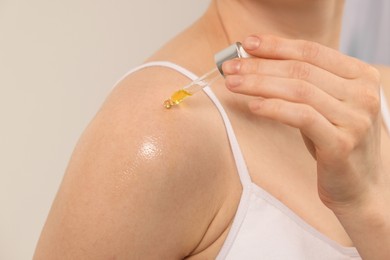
312	124
292	90
328	82
273	47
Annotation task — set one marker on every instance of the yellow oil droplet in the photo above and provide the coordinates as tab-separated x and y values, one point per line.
167	104
176	98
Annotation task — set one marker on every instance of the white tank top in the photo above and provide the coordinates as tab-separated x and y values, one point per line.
263	227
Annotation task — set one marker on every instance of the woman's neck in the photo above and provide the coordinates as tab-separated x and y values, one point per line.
314	20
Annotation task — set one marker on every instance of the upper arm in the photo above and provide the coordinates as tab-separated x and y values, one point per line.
137	186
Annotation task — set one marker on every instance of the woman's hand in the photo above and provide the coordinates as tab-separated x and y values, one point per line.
333	99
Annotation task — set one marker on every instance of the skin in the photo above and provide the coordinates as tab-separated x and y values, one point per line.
148	183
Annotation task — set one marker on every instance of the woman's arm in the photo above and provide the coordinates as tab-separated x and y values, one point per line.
334	101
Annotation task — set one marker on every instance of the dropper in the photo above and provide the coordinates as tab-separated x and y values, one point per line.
233	51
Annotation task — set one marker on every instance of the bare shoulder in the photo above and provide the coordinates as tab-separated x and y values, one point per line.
143	182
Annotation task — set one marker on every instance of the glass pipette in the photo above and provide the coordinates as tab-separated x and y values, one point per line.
190	89
233	51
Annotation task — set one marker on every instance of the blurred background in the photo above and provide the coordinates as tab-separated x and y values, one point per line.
60	59
366	30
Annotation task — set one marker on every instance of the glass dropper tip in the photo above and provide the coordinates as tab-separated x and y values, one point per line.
176	98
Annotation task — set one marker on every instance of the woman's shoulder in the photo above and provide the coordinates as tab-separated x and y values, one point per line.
186	144
142	178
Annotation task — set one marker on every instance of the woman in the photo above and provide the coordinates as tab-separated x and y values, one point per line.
308	180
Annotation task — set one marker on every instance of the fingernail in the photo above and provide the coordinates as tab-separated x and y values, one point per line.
251	43
233	81
231	66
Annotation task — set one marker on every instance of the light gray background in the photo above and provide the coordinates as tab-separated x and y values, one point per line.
58	61
366	32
